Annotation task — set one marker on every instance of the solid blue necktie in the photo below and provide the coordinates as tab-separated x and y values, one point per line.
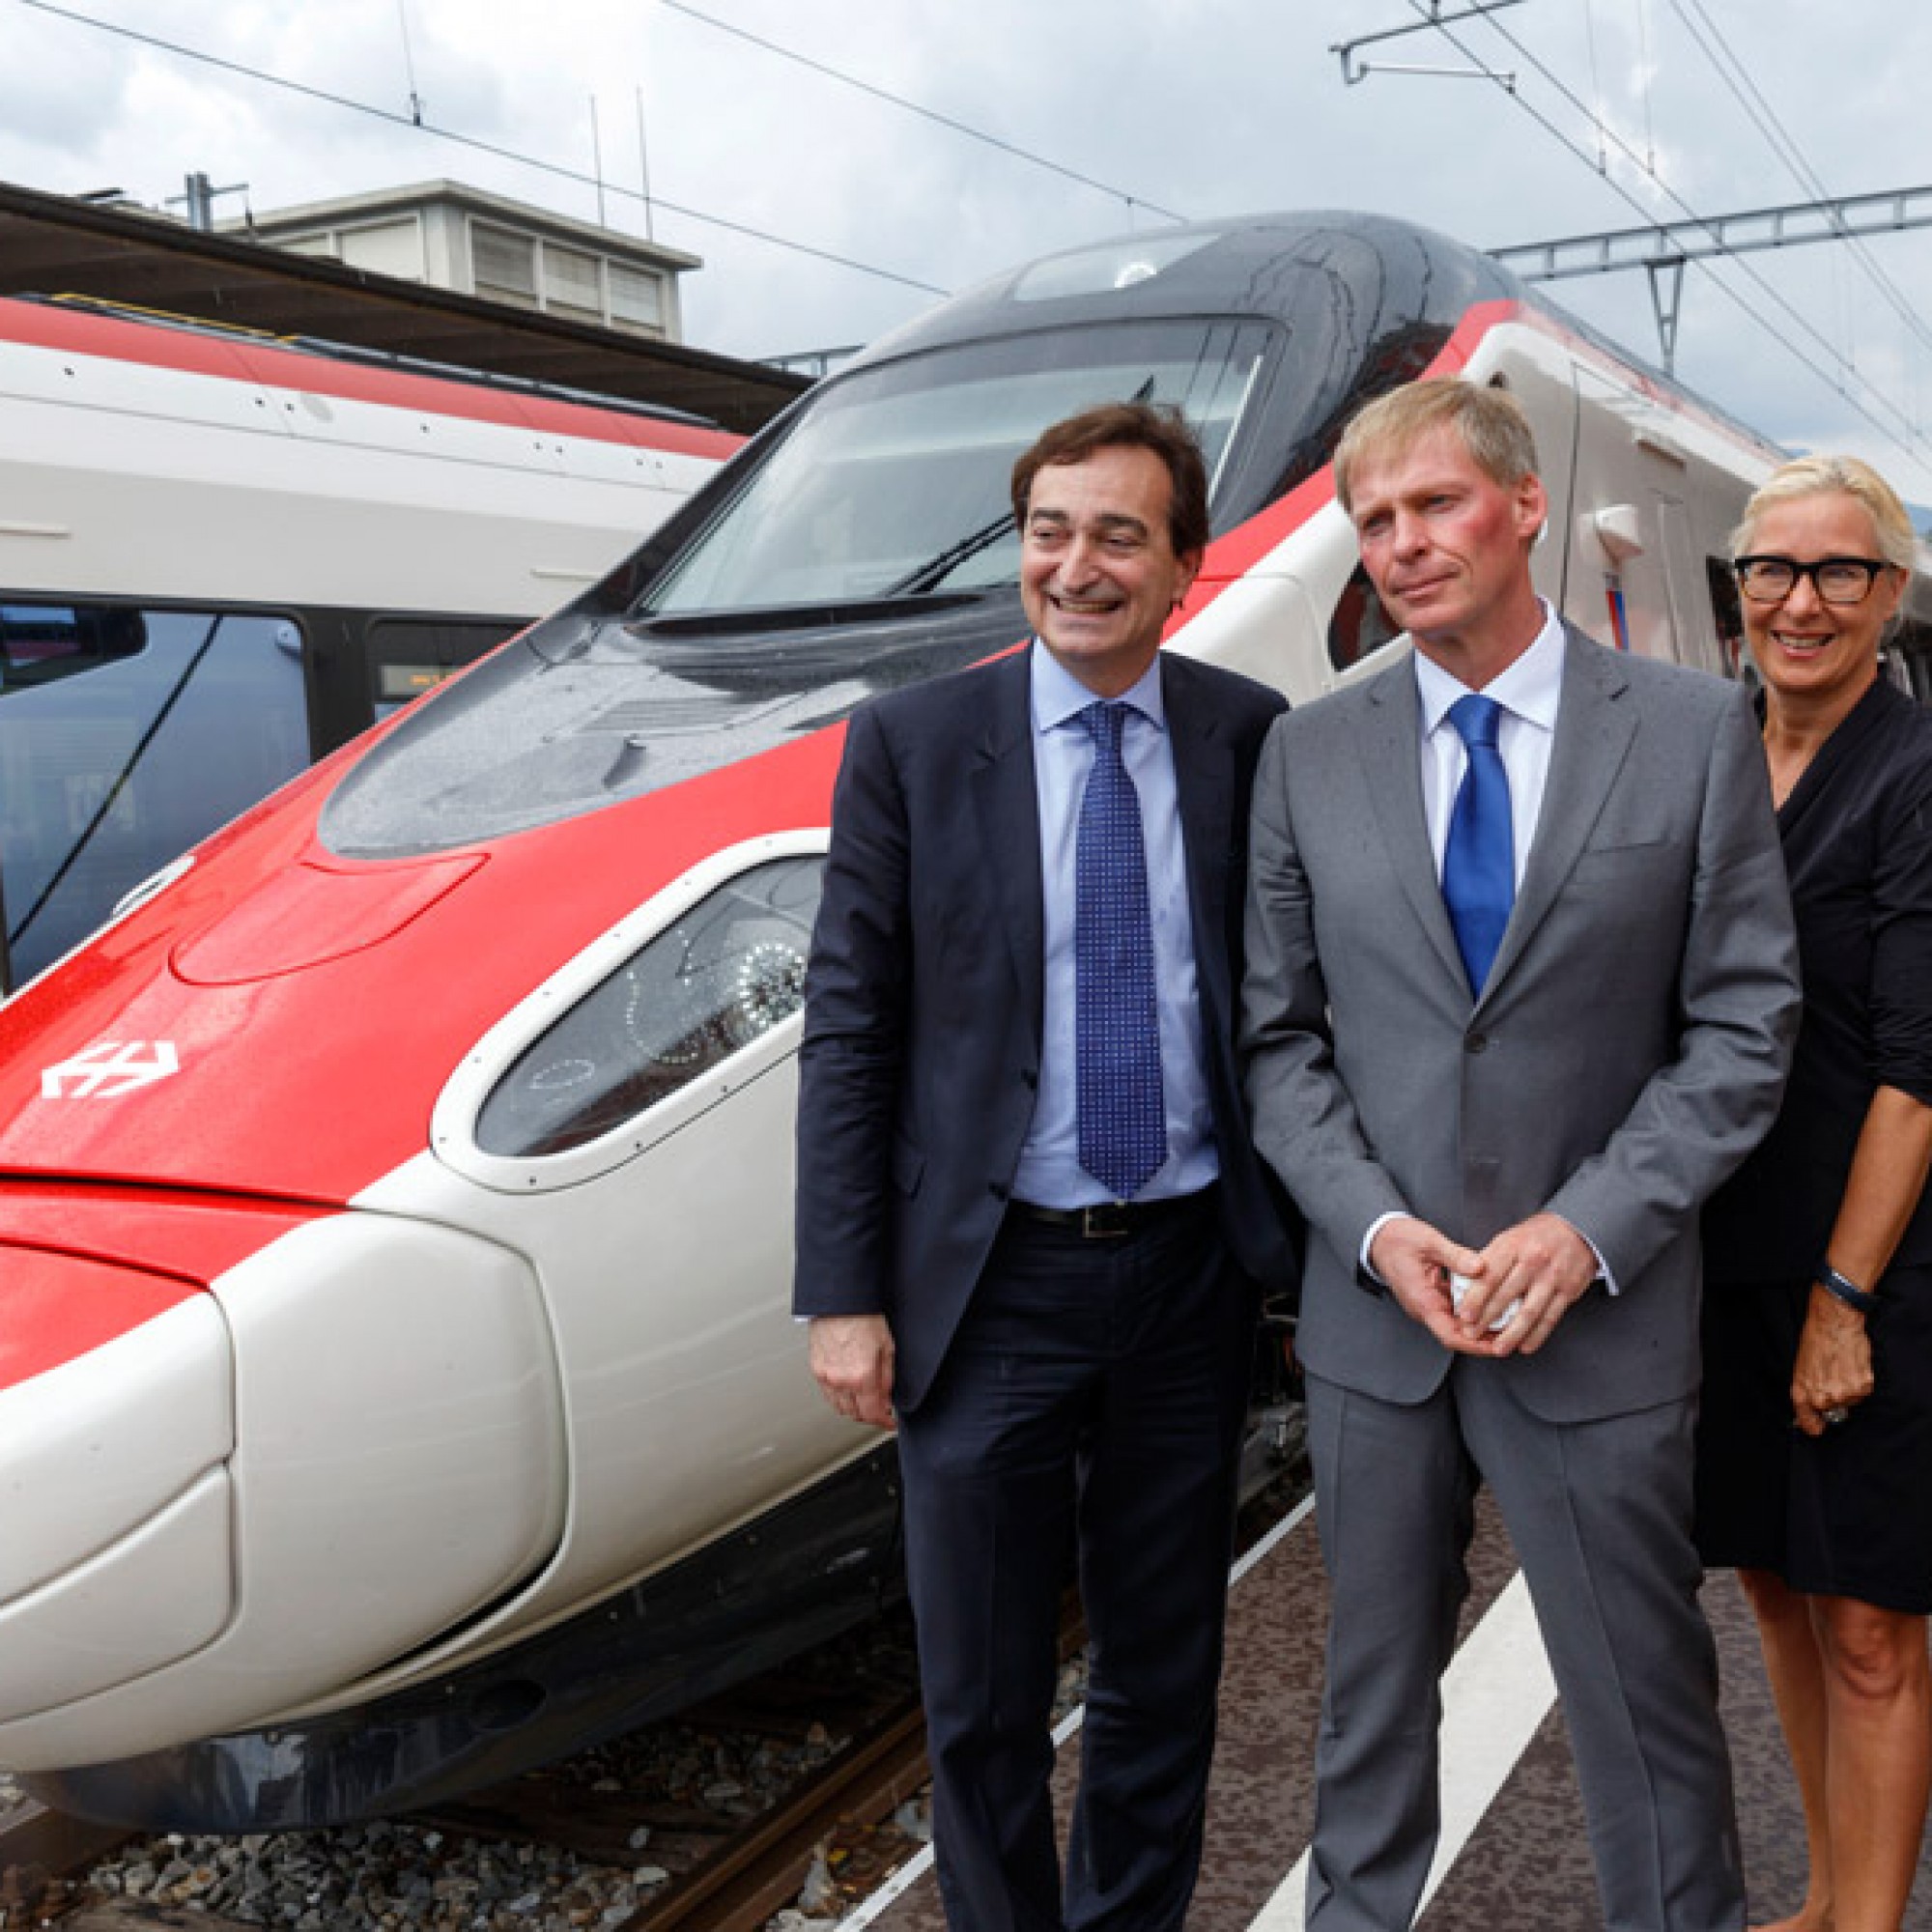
1479	860
1121	1120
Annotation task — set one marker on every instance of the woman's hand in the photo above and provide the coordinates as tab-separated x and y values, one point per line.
1833	1370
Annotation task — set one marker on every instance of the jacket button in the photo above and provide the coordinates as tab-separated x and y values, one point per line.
1476	1042
998	1189
1030	1078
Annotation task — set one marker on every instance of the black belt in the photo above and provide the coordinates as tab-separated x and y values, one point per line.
1113	1220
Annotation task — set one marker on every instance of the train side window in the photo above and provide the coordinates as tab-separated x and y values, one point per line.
40	642
409	656
107	776
1360	624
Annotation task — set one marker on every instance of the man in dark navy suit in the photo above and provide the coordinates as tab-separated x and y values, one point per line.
1029	1220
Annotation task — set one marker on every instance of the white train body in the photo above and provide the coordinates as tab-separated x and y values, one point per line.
222	555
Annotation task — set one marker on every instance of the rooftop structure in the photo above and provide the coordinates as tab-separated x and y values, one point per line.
454	237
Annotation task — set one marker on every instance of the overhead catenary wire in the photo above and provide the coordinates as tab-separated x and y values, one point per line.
1596	86
1910	441
1763	286
1744	268
1643	47
924	113
472	142
1730	69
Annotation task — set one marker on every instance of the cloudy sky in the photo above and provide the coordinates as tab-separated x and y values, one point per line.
1193	107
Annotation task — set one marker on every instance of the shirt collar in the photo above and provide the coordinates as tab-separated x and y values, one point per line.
1530	689
1058	695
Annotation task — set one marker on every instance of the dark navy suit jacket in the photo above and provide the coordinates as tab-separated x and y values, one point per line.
924	998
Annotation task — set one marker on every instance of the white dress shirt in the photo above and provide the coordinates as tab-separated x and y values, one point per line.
1529	693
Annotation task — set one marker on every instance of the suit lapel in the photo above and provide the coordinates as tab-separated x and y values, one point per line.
1204	782
1594	731
1007	801
1392	762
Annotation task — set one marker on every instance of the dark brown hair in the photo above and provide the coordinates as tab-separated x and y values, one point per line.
1128	426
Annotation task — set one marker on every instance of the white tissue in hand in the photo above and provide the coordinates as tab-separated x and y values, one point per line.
1461	1285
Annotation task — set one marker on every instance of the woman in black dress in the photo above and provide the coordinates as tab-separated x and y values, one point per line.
1815	1443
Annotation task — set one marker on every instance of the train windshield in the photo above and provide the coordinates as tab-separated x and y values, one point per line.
895	481
873	546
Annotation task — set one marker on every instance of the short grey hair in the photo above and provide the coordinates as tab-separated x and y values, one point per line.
1489	422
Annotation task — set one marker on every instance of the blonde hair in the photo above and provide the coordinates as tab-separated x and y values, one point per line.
1836	477
1490	424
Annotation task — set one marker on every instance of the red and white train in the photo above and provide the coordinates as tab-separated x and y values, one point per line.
222	555
397	1381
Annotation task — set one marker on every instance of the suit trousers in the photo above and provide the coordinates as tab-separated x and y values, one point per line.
1089	1410
1599	1515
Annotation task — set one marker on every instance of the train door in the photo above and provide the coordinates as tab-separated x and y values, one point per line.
126	735
1694	629
1648	530
1541	377
1545	390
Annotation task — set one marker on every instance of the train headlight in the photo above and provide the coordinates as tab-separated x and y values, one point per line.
719	977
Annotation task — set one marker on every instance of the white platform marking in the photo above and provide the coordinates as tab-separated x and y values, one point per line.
1496	1693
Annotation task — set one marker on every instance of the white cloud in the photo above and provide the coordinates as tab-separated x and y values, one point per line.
1207	106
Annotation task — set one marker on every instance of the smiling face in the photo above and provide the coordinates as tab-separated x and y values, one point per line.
1447	548
1098	572
1818	655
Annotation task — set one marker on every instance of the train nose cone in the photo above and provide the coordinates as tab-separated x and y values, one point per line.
244	1485
116	1426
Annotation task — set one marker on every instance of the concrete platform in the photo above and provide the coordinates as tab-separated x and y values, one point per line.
1514	1852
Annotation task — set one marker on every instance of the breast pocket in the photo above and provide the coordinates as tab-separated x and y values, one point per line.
1635	871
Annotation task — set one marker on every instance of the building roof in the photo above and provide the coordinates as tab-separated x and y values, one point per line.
52	244
345	210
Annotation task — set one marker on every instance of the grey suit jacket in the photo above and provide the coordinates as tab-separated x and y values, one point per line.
1629	1050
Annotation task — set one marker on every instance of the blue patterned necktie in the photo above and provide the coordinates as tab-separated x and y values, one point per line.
1121	1120
1479	860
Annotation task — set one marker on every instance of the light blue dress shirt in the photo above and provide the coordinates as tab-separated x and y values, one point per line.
1049	1173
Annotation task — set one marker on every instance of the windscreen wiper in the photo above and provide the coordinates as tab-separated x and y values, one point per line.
931	574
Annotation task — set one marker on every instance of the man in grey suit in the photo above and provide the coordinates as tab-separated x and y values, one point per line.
1521	991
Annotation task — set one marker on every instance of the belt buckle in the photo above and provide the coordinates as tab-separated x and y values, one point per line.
1105	1221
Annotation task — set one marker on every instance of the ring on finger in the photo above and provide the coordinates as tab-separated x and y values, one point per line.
1835	1414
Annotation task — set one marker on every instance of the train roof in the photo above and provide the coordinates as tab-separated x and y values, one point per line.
54	242
88	326
324	350
1255	265
1349	275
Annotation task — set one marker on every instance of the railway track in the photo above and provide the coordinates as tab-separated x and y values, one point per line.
666	1831
720	1872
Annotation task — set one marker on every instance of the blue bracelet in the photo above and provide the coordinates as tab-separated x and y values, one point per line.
1846	1290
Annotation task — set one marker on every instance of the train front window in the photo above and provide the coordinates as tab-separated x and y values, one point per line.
872	547
895	481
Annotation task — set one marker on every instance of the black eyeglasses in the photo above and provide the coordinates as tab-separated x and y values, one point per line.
1838	579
